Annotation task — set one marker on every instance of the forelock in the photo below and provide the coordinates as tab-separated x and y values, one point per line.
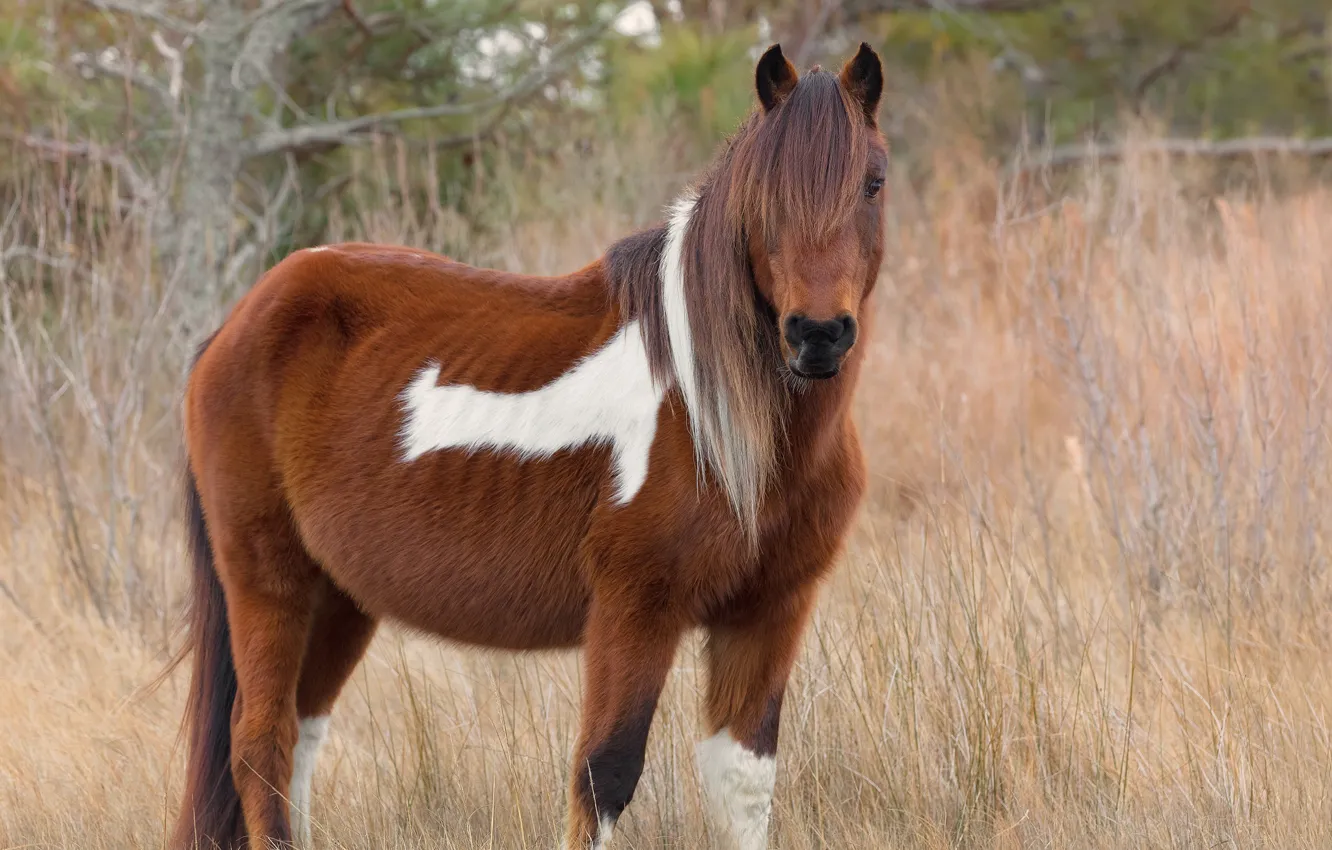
802	165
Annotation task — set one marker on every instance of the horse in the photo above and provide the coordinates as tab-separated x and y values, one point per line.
659	442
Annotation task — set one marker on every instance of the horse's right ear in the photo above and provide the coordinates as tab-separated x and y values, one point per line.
775	77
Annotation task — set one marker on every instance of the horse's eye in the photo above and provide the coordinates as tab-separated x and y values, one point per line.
872	188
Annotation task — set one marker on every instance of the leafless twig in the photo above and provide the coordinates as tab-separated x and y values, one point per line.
1176	57
870	7
309	136
105	64
143	11
141	187
175	61
357	19
1065	155
814	30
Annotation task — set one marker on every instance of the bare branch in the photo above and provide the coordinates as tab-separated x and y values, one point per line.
364	27
36	255
1247	146
1176	57
814	30
858	8
175	60
279	8
268	32
140	187
105	64
334	133
1031	71
1311	52
143	11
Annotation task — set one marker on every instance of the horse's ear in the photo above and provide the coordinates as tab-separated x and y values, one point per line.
774	78
863	78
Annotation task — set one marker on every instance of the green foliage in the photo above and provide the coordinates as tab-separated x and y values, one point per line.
1060	71
1215	67
695	83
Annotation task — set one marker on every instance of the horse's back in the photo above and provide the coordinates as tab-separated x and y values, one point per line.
299	397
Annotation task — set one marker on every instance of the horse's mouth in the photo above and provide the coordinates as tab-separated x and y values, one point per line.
817	372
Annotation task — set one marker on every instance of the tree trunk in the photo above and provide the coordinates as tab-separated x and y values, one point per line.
236	54
212	161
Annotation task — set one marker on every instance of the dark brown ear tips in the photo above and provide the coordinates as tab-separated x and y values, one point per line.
774	78
862	76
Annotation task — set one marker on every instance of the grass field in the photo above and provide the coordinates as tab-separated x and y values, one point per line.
1088	604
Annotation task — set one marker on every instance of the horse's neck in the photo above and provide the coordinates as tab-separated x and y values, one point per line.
817	418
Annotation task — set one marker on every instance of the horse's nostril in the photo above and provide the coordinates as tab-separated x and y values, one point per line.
848	335
793	329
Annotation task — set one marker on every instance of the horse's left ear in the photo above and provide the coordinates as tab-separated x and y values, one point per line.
863	78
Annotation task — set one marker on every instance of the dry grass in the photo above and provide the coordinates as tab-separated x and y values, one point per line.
1087	605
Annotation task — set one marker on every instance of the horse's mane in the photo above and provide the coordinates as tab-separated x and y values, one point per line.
690	282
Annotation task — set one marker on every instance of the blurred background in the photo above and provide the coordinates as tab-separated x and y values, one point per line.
1088	603
242	130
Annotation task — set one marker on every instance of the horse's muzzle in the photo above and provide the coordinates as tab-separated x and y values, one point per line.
818	346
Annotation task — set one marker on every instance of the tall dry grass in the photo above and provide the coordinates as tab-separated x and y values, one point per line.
1087	605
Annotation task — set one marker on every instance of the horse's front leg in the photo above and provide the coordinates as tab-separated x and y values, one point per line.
628	648
749	661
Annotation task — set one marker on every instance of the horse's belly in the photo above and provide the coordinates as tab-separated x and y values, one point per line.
507	599
481	549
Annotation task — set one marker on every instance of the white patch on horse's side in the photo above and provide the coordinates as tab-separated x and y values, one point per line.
738	786
317	249
608	397
313	732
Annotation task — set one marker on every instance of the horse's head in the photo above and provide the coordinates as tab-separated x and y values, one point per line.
809	177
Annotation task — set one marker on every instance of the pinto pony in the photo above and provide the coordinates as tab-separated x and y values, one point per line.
659	441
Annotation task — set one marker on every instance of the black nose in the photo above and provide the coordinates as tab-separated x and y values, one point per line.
836	336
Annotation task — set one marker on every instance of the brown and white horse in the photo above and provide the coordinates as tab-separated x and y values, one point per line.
659	441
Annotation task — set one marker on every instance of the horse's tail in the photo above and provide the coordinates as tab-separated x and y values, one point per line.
211	810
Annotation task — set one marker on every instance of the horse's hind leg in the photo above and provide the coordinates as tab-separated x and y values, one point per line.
627	653
339	636
269	581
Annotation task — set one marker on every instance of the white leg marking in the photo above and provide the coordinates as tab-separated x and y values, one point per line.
607	397
738	786
313	731
604	830
605	827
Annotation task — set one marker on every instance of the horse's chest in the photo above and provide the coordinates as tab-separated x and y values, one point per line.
805	533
